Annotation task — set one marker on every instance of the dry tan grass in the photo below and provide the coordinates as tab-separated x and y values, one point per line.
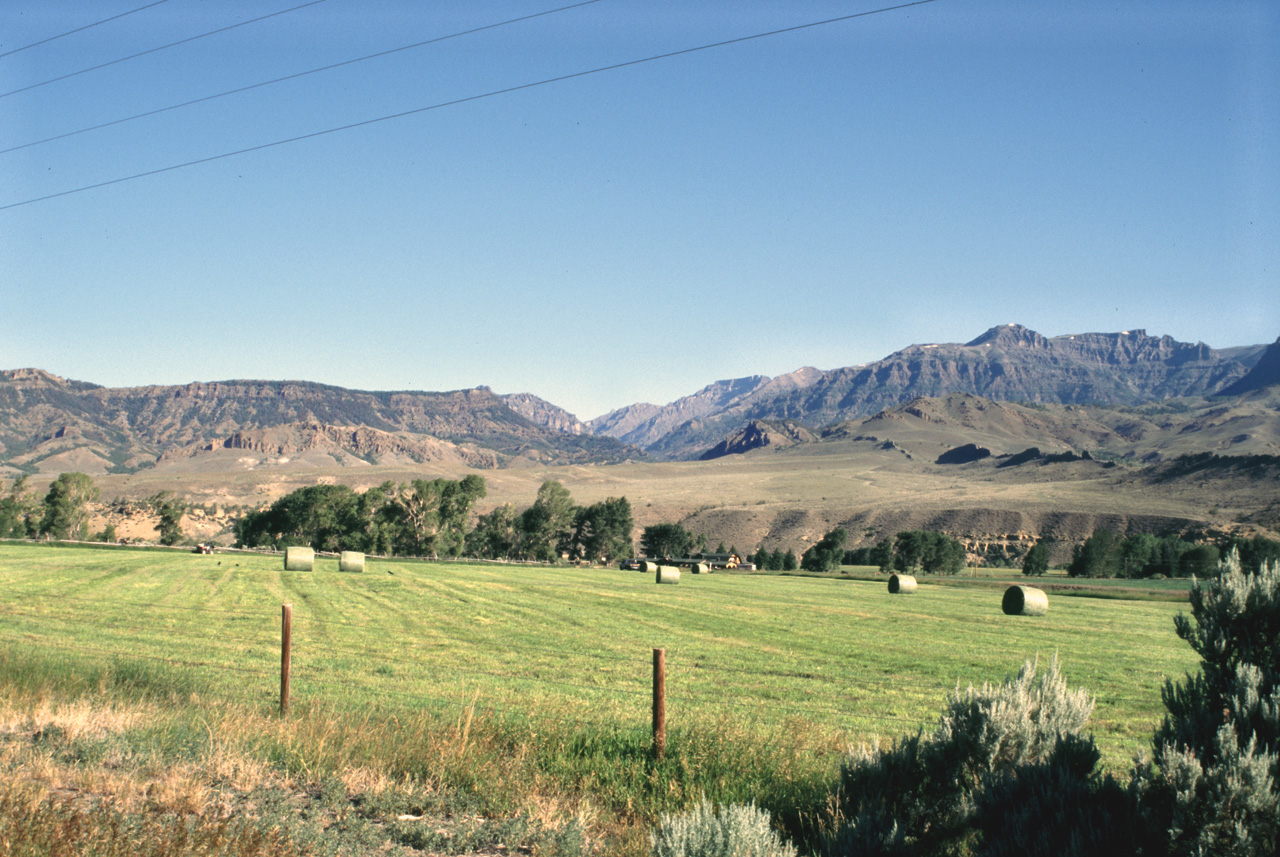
126	783
77	719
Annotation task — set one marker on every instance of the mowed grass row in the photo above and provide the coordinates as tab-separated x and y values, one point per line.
769	654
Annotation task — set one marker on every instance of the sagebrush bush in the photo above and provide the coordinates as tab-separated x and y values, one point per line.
1059	806
921	795
735	831
1006	771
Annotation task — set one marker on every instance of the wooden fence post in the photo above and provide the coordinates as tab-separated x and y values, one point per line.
286	654
659	703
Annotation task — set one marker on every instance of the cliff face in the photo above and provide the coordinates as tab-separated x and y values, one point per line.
543	413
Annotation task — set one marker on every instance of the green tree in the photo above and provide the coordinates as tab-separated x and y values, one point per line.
666	541
882	554
602	531
324	517
1252	552
377	519
1098	556
419	504
908	550
1036	562
66	507
497	535
827	554
1199	561
928	551
1214	780
170	510
548	523
457	499
789	561
1138	553
19	512
941	554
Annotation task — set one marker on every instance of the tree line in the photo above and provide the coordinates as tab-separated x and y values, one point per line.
433	518
1106	554
64	512
910	551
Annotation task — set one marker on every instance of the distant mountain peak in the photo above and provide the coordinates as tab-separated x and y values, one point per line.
1011	335
544	413
32	377
758	434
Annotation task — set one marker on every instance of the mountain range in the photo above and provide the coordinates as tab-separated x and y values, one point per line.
50	424
1007	363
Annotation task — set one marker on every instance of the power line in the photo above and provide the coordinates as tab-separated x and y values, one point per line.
296	76
81	29
161	48
457	101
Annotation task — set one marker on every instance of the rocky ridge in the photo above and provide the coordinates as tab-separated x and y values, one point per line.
1009	362
50	424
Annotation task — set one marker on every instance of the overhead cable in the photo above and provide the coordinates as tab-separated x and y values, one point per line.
157	50
295	76
457	101
81	29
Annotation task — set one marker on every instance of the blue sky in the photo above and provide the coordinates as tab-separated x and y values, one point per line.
820	197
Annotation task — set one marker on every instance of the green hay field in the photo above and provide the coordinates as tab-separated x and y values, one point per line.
770	655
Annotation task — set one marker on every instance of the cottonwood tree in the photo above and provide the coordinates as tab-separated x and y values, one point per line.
827	554
1036	562
548	523
497	535
603	530
666	541
420	518
19	512
927	550
66	506
170	510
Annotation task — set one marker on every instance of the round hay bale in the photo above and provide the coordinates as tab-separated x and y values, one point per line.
701	568
299	559
650	567
901	584
668	574
351	561
1025	601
